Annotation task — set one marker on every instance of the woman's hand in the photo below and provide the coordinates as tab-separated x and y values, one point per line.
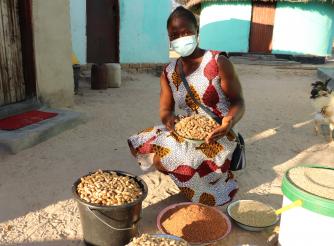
220	131
170	122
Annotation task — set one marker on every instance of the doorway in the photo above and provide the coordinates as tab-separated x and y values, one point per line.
17	63
262	26
102	31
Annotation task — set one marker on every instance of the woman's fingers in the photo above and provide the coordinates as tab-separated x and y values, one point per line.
170	126
171	123
218	132
215	135
211	138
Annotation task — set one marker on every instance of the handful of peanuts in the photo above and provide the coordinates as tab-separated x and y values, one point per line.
196	127
149	240
108	189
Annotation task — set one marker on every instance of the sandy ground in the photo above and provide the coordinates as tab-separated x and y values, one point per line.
36	205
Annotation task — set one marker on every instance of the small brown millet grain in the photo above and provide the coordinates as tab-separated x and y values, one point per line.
195	223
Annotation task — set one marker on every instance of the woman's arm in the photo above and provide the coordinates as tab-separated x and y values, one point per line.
167	104
231	87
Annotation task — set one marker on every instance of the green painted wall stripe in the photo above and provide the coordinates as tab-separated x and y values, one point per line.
225	26
300	28
305	29
143	34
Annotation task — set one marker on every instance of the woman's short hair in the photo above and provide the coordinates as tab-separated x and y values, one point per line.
181	12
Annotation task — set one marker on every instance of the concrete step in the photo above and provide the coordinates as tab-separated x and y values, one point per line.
325	73
248	60
26	137
18	108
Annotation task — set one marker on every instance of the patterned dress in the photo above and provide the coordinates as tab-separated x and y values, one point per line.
201	171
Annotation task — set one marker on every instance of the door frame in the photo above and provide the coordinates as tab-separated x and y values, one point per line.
27	46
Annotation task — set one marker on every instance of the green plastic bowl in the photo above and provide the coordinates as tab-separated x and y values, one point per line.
311	202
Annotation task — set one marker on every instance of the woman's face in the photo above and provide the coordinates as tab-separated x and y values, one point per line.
180	27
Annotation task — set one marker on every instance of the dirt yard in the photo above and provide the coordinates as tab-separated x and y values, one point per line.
36	205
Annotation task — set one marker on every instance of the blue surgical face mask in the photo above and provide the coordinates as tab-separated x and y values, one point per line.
185	46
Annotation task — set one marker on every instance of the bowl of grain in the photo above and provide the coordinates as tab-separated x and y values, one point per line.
195	128
252	215
157	240
315	180
196	223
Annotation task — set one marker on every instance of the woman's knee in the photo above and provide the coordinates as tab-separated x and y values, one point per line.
132	149
158	164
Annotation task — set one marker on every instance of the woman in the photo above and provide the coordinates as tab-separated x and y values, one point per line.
201	172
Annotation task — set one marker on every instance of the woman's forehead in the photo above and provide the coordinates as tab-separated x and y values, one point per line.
181	24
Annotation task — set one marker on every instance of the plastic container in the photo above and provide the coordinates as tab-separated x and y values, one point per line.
76	76
308	225
99	77
110	225
113	75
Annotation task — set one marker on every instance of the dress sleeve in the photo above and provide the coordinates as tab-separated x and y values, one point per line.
165	72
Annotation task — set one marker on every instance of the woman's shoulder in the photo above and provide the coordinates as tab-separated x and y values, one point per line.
217	53
170	67
172	62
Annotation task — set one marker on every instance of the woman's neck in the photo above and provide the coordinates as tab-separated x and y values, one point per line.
198	53
192	62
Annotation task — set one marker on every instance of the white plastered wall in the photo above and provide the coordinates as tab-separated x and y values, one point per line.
53	48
